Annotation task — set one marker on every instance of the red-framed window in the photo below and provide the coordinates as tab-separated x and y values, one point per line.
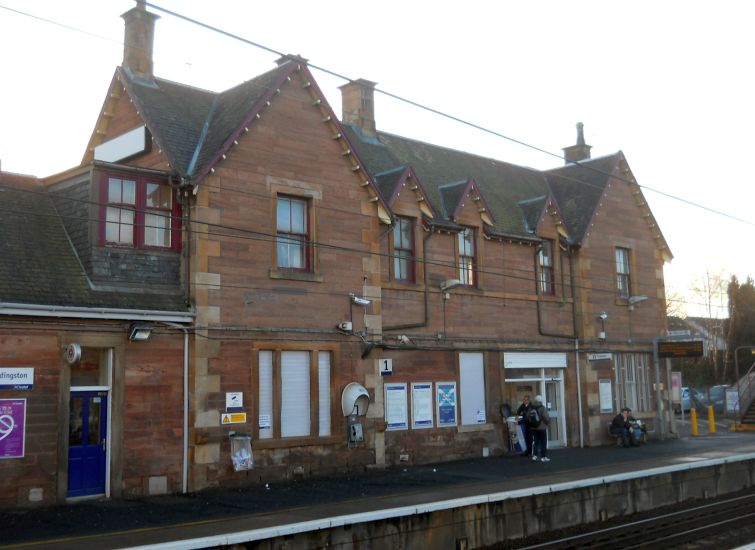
292	222
546	280
467	256
623	278
403	250
139	212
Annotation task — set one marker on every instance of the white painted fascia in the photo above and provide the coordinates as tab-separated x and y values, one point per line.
75	312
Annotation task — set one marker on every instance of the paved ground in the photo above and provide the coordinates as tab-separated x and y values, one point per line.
118	523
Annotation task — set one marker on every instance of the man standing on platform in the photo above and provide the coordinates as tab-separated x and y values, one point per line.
521	413
539	421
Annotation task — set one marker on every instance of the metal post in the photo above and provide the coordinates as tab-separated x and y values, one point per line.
711	419
659	402
670	409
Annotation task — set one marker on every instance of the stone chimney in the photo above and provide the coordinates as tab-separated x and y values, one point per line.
138	39
580	151
358	105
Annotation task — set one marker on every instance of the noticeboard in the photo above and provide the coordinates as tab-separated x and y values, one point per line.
682	348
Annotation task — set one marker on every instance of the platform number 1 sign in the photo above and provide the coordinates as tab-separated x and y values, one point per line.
385	366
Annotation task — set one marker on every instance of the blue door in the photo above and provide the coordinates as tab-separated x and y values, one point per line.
87	443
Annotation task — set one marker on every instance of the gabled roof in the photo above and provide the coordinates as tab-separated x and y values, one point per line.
193	126
532	209
445	174
578	188
196	128
38	265
391	182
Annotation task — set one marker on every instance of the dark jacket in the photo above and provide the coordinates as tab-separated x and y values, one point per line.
523	409
545	420
619	422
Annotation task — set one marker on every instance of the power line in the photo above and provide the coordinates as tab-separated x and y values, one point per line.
399	98
271	238
439	112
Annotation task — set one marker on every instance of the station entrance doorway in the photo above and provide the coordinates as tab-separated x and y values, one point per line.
538	374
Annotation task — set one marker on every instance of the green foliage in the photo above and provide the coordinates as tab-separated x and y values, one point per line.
741	323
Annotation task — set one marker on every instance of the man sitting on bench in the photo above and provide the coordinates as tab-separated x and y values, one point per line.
623	426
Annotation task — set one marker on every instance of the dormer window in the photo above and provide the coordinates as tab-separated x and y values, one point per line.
623	278
403	250
139	212
545	263
467	256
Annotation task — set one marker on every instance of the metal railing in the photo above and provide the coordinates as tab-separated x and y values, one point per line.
745	384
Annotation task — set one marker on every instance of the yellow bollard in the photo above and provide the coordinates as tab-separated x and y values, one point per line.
693	421
711	420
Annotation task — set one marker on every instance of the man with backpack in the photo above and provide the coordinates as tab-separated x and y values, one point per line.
538	420
521	412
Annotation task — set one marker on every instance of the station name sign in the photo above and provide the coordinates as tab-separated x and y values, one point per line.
681	348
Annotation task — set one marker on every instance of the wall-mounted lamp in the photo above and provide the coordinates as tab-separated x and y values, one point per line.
448	284
633	300
358	300
139	332
603	316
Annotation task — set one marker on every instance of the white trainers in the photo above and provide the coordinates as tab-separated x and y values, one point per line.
545	459
534	457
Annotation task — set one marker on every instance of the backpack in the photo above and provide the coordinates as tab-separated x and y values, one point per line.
533	418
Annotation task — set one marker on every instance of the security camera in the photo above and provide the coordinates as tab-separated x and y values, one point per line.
603	316
404	339
358	300
346	326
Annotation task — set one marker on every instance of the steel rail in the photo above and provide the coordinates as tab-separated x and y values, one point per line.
665	528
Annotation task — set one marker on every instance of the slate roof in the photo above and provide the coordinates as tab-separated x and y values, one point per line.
532	209
445	173
38	264
193	126
578	188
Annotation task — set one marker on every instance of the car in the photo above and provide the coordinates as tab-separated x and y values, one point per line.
716	396
690	398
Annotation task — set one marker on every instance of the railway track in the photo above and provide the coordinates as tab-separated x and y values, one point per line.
721	524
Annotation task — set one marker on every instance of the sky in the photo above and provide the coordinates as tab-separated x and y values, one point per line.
668	83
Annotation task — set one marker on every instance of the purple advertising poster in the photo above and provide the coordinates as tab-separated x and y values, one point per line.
12	427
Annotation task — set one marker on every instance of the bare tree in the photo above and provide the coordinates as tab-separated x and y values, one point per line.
710	292
675	304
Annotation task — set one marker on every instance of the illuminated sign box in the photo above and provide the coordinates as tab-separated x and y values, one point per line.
687	348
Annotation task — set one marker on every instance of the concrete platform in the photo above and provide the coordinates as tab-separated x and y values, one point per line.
213	516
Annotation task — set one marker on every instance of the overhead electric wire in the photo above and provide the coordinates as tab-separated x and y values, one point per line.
265	236
414	104
261	236
436	111
397	97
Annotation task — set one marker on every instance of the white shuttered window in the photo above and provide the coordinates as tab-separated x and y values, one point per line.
472	388
295	394
286	395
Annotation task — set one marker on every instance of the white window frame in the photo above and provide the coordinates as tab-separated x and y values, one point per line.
288	405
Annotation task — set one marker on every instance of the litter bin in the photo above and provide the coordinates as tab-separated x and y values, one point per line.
516	434
241	451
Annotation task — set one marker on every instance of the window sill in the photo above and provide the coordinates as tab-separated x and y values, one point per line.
476	428
289	442
295	275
